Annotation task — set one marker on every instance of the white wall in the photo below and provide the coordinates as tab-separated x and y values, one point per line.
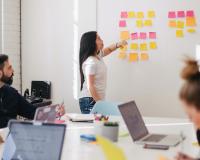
49	41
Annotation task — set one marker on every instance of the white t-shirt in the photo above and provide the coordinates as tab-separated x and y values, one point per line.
96	67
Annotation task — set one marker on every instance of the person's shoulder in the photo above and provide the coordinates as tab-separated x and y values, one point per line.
10	89
90	60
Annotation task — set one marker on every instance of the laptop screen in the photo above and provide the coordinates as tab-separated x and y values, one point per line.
133	120
28	141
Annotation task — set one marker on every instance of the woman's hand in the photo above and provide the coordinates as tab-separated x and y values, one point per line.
121	44
182	156
61	110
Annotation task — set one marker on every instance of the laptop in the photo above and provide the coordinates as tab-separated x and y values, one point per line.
34	141
139	131
47	113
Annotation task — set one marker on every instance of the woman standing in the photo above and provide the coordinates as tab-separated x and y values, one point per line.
93	69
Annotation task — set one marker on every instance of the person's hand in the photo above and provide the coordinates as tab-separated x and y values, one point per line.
182	156
121	44
61	110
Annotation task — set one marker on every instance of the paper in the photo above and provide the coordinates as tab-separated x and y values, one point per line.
143	47
190	13
111	151
139	23
140	15
134	46
172	15
172	24
152	35
151	14
124	35
179	33
191	30
122	55
131	14
122	23
124	15
181	14
152	45
190	21
143	35
123	48
144	57
133	57
180	24
134	36
148	23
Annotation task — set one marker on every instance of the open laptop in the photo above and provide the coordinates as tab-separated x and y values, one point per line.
139	131
34	140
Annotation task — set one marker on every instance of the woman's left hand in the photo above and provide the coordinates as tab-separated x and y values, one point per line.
61	110
121	44
182	156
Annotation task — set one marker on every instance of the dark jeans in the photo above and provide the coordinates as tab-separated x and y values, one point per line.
86	104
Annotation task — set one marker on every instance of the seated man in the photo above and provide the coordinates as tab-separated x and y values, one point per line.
11	102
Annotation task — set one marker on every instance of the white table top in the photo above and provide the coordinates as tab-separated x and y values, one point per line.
75	149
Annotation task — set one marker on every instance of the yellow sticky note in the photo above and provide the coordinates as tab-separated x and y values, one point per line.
144	57
179	33
172	23
131	14
190	21
134	46
133	57
122	55
140	15
111	151
139	23
148	23
124	35
124	48
191	30
162	158
180	24
151	14
143	47
152	45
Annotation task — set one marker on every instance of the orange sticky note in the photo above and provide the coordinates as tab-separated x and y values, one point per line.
190	21
152	45
131	14
124	35
133	57
172	23
180	24
140	15
123	48
148	23
143	47
191	30
144	57
122	55
139	23
134	46
179	33
151	14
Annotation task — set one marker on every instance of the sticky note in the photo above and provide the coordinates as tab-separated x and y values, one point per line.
172	23
133	57
134	46
139	23
180	24
190	21
148	23
124	14
122	55
143	35
144	57
122	23
162	158
110	150
151	14
172	15
152	45
140	15
134	36
191	30
190	13
124	35
180	14
152	35
123	48
179	33
143	47
131	14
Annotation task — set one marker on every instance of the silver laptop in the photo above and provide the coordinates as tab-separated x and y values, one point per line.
46	114
34	141
139	131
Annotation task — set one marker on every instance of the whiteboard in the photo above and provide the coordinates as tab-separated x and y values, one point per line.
153	84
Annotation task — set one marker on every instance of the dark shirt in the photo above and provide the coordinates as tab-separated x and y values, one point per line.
198	136
13	104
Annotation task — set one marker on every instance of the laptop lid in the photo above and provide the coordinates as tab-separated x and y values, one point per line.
133	120
34	140
46	114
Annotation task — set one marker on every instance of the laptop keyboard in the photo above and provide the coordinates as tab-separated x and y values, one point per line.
154	138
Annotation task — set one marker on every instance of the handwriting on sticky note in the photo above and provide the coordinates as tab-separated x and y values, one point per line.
190	13
152	35
140	15
122	55
134	36
148	23
143	47
133	57
180	24
131	14
122	23
191	30
134	46
151	14
172	23
181	14
172	14
124	35
143	35
144	57
152	45
190	21
139	23
179	33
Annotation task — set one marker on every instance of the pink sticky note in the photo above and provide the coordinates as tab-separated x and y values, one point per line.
124	15
143	35
172	15
152	35
180	14
134	36
190	13
122	23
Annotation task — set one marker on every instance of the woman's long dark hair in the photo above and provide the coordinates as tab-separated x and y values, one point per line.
87	48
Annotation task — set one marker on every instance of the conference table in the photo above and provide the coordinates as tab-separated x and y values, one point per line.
75	149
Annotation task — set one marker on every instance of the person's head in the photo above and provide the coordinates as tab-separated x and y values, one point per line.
6	70
90	45
190	91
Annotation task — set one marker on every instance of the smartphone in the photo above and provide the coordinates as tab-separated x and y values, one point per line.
154	146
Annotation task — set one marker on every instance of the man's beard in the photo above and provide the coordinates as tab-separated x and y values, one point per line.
7	80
